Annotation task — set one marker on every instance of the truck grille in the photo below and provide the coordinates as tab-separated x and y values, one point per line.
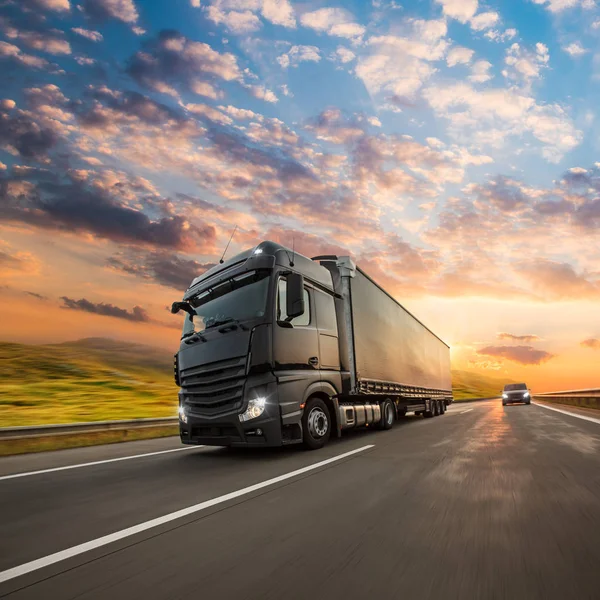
214	388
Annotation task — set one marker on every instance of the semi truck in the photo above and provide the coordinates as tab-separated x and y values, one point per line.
278	348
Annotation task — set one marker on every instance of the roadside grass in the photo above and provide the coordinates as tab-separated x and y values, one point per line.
89	380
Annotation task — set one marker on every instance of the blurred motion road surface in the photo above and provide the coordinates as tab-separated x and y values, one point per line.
483	502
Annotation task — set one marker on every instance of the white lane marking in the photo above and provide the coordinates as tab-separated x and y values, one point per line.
51	559
571	414
466	411
96	462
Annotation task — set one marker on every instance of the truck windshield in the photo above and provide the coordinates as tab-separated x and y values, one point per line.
513	387
237	299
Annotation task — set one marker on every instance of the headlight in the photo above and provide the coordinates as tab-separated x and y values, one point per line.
256	407
182	414
526	395
505	396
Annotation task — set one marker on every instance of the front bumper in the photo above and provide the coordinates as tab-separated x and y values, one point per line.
227	430
520	399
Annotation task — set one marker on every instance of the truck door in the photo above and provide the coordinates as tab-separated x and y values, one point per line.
295	352
329	351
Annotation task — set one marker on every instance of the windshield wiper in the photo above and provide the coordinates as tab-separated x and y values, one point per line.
225	322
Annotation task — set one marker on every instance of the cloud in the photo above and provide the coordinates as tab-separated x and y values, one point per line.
495	36
94	36
241	16
484	20
298	54
459	56
86	206
36	295
12	52
167	269
523	355
171	61
235	21
47	40
480	71
208	112
461	10
592	343
333	21
519	338
575	49
54	5
490	115
15	262
400	65
137	314
121	10
342	55
558	280
524	65
465	11
279	12
19	130
556	6
332	126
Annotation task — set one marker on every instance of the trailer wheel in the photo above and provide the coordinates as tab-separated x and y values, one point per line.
431	412
387	415
442	407
316	424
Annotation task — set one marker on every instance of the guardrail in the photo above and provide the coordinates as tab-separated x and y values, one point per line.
18	440
588	398
8	433
589	393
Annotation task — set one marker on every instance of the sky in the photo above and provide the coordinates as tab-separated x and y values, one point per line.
450	146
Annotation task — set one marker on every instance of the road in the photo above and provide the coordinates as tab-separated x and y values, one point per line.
483	502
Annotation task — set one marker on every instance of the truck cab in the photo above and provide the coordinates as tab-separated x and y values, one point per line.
259	339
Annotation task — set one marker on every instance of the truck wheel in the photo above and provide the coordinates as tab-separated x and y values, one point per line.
316	424
442	407
431	412
387	415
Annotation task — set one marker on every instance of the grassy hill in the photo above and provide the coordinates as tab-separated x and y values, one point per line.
466	384
97	379
93	379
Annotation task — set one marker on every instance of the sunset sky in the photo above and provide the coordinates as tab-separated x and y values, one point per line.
450	146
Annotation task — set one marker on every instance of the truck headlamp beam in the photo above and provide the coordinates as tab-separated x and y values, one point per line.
256	407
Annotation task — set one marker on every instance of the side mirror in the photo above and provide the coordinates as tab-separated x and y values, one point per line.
177	306
294	296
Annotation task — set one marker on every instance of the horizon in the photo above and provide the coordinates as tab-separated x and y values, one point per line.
449	146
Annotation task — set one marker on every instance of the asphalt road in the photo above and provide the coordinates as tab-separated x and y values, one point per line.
483	502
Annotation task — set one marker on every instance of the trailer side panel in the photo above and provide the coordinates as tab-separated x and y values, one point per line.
391	344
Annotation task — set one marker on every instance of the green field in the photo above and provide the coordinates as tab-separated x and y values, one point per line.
99	379
466	384
88	380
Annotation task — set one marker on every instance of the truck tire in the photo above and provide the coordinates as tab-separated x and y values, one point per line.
442	407
431	412
387	415
316	424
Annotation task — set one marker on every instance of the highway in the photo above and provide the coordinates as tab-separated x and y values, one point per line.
483	502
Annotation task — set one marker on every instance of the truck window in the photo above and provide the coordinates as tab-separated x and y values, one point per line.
301	321
325	308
